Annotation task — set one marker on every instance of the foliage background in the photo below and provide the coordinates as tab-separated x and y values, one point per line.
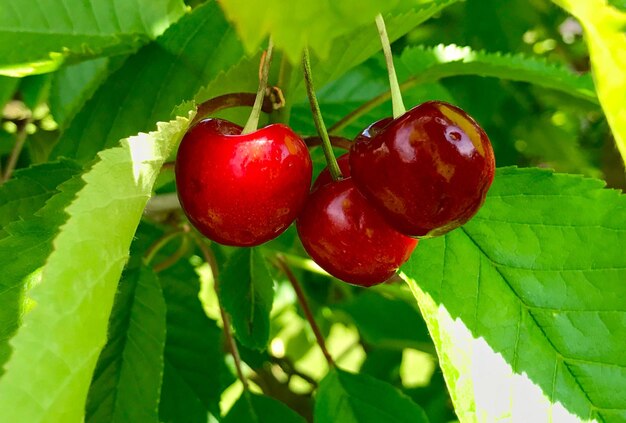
519	313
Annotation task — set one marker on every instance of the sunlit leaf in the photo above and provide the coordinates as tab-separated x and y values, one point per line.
37	35
524	302
66	329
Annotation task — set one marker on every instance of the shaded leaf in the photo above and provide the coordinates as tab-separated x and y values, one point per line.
358	398
195	372
247	293
253	408
388	322
73	85
126	384
605	32
29	189
524	302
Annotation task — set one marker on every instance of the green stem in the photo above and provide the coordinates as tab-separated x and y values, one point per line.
333	167
396	94
253	121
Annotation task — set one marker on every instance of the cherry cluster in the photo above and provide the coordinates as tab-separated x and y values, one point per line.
419	175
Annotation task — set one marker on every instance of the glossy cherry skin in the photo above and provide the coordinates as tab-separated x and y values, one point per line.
242	190
427	171
349	238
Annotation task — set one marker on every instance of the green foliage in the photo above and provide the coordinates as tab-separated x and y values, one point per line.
260	409
67	327
127	380
7	88
295	24
31	234
521	310
152	82
195	373
38	35
28	191
388	322
604	28
72	86
247	293
346	397
517	294
420	64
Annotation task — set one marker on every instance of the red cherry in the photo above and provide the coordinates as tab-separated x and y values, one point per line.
242	190
427	171
325	178
349	238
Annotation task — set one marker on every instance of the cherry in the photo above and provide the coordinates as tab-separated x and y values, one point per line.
427	171
348	237
242	190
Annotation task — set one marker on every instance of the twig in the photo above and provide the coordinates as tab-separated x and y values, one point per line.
20	140
282	264
210	259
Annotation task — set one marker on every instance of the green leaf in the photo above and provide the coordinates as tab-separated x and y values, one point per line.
605	32
525	302
358	398
429	64
296	24
36	36
73	85
29	189
252	408
32	238
66	329
388	322
151	83
356	47
247	293
7	89
126	384
194	352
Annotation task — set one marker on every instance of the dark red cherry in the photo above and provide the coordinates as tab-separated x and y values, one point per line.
242	190
325	178
427	171
349	238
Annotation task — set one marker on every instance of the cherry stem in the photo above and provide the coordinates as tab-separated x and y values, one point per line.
336	141
331	161
253	121
209	257
282	264
227	101
396	94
